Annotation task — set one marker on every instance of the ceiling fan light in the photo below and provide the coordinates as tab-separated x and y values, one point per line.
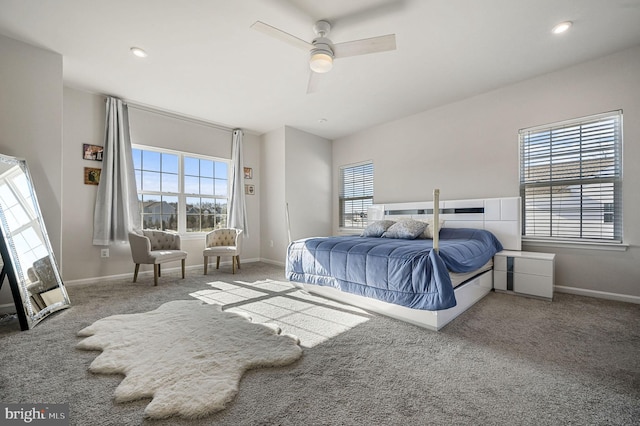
321	62
140	53
562	27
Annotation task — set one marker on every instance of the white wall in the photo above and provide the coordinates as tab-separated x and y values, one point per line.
469	149
170	132
84	123
84	116
308	183
31	126
297	171
273	235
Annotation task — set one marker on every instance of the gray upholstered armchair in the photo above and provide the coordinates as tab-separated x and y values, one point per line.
223	242
155	247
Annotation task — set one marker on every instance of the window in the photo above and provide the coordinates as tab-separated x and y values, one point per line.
571	179
181	192
22	220
356	194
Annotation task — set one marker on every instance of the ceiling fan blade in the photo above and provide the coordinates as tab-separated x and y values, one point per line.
281	35
314	81
365	46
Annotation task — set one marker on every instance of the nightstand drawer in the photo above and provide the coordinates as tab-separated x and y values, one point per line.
533	267
533	285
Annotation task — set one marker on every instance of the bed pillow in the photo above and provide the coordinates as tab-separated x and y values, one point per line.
428	231
377	228
406	229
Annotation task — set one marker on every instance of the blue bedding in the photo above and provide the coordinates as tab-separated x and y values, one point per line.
404	272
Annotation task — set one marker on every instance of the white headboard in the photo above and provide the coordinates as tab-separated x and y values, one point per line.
501	216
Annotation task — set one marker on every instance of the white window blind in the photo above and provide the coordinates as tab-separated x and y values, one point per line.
356	194
571	179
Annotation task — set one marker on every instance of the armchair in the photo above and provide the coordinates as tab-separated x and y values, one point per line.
42	280
155	247
223	242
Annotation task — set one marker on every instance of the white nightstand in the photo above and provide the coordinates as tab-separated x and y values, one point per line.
524	272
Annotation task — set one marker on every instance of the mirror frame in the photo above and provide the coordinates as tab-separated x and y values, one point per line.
28	317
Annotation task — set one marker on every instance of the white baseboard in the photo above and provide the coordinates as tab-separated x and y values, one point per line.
129	275
598	294
7	308
106	278
272	262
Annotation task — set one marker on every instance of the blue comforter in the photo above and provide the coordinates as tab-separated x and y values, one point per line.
404	272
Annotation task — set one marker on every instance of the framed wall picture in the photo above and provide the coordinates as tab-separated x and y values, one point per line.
248	173
92	152
91	176
249	189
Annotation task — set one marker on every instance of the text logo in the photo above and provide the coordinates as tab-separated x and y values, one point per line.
34	414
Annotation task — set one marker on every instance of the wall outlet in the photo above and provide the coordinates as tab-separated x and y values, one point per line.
104	253
271	243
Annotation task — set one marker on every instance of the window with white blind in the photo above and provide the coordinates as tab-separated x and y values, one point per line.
571	179
356	194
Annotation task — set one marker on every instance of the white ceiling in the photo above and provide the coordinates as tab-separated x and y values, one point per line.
206	62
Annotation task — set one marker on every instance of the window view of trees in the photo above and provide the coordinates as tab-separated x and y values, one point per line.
209	181
159	212
181	193
205	215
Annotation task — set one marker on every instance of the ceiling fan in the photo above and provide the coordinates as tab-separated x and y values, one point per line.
323	51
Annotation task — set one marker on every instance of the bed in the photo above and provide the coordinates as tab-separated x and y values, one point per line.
427	282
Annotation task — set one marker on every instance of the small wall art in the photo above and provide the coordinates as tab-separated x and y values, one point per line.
248	173
91	176
92	152
249	189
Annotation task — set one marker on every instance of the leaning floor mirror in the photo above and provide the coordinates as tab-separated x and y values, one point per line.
28	263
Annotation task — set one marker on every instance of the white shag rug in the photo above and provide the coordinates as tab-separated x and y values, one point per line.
188	356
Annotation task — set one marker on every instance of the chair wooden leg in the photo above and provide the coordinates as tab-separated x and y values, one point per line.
135	273
159	270
156	273
238	261
183	261
206	262
218	262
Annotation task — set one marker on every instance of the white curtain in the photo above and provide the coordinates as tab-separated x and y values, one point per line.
117	211
237	207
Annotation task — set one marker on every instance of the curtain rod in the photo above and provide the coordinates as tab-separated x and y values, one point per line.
177	116
160	111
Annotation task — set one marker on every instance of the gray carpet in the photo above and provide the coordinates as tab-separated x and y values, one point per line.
507	360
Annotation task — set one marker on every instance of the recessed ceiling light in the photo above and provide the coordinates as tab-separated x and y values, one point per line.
140	53
562	27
